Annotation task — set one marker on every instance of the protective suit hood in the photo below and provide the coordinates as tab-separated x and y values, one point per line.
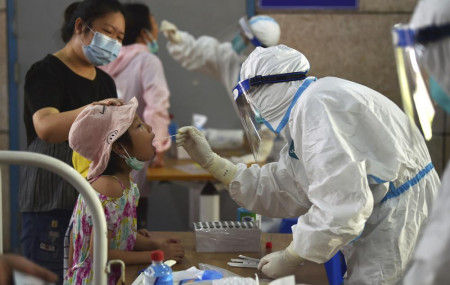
436	57
266	29
274	100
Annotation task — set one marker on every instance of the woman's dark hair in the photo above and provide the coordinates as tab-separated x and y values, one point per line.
88	11
136	19
113	164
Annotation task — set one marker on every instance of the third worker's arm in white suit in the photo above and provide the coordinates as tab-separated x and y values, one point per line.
206	55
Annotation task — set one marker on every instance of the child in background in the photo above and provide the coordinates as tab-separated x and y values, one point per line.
116	140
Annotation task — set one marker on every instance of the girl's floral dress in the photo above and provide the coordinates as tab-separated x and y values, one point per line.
120	220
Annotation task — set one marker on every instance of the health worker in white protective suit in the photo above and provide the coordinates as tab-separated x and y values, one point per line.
424	45
222	61
354	169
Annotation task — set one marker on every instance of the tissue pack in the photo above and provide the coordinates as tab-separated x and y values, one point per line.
227	236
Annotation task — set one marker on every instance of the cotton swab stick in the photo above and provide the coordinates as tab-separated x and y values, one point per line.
160	139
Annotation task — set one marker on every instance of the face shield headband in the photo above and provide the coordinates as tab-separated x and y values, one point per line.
409	46
250	116
245	26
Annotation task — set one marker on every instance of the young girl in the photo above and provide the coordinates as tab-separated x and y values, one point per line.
116	141
57	88
139	73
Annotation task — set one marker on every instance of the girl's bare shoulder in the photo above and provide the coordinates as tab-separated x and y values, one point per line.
108	186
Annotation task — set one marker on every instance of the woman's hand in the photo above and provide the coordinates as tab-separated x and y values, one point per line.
110	101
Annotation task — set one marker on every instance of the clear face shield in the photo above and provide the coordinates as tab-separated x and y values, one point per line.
409	49
250	115
412	78
245	27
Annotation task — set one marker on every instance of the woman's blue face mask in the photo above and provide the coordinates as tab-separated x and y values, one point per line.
153	46
102	49
238	43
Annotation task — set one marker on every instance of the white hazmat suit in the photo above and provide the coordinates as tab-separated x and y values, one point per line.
431	261
354	170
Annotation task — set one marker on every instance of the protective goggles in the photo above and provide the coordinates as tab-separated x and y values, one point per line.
245	26
251	117
409	46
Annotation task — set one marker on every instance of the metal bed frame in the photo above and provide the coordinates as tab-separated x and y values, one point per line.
100	265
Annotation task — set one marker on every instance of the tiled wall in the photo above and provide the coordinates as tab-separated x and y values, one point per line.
355	45
4	122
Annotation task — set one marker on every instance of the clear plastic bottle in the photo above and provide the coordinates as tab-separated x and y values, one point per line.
158	273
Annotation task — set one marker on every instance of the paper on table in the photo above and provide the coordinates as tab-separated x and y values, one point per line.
21	278
288	280
140	280
191	168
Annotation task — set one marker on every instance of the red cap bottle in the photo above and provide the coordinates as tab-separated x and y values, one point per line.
157	255
268	247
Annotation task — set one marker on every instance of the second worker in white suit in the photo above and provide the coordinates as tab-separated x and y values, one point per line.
220	60
356	172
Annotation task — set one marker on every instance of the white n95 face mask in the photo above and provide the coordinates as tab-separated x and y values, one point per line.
102	49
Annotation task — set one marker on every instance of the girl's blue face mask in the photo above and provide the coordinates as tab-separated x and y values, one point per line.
132	161
153	46
238	43
102	49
